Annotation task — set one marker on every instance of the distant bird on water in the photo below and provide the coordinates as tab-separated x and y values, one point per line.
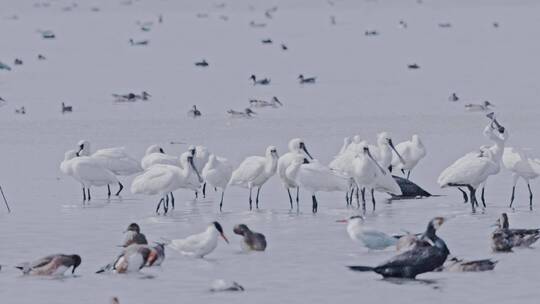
66	108
203	63
194	112
264	81
251	240
306	80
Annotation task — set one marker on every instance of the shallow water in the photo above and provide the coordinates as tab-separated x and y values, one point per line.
363	87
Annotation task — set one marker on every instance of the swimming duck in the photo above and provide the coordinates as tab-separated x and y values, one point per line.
202	63
424	257
266	41
371	33
252	240
21	110
413	66
264	81
473	107
255	24
503	239
134	236
258	103
17	61
48	34
247	113
222	285
453	97
138	43
304	80
66	108
55	264
455	264
4	66
194	112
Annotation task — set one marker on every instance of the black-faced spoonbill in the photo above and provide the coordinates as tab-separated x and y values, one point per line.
217	173
522	166
297	147
255	171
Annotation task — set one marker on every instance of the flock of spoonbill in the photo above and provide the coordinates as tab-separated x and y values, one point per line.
357	168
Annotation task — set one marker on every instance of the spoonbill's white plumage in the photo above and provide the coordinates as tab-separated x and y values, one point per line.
371	238
382	152
411	151
523	166
343	161
88	171
200	159
296	147
164	179
217	173
254	171
315	177
473	169
199	245
346	142
115	159
156	155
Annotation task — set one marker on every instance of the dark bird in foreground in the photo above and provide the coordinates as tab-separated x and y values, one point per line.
252	240
503	239
55	264
427	255
409	189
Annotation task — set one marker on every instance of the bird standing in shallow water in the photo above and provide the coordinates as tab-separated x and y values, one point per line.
522	166
371	238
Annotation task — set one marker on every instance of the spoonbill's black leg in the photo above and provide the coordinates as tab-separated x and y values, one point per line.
373	197
315	205
290	197
530	196
204	190
84	194
473	197
465	198
221	202
108	190
159	204
357	197
408	174
512	198
482	196
172	200
88	190
363	195
120	187
257	198
250	201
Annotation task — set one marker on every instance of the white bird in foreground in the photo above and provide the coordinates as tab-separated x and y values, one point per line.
115	159
522	165
473	169
217	172
296	147
164	179
315	177
200	245
254	171
411	151
88	171
371	238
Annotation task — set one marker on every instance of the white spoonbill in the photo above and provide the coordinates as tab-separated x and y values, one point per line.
164	179
473	169
371	238
115	159
314	177
382	152
217	172
366	172
254	171
88	171
202	244
296	147
156	155
523	166
411	151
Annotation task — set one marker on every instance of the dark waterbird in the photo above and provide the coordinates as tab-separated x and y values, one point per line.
426	256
